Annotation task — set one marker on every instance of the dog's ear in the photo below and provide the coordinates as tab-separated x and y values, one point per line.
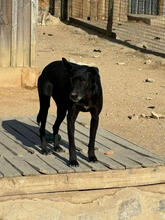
94	71
67	65
95	78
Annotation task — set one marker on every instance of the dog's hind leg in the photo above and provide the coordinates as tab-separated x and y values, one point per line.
41	118
61	112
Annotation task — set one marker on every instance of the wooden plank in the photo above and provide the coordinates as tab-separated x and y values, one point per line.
117	148
11	145
97	166
116	139
27	27
30	125
14	34
7	169
120	149
86	9
69	9
73	197
103	144
64	157
63	133
58	165
17	137
82	181
24	168
20	33
39	164
107	161
34	16
128	163
94	10
101	9
145	161
4	151
5	32
20	128
81	141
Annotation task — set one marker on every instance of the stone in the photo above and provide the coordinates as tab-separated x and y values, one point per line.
135	117
147	61
157	116
120	63
148	98
29	77
150	80
129	209
51	20
142	45
152	107
162	205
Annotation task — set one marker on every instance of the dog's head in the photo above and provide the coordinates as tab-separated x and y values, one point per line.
83	80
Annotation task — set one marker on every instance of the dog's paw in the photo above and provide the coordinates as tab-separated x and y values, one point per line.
73	163
92	159
45	151
58	149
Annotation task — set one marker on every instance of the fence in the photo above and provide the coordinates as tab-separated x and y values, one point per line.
18	19
136	22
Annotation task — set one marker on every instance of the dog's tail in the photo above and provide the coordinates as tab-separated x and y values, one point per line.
45	91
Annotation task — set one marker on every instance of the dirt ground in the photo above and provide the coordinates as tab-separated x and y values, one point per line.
123	73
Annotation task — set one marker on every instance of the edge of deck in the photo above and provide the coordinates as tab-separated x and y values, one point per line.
81	181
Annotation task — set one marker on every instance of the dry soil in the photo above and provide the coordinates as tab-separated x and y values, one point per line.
123	73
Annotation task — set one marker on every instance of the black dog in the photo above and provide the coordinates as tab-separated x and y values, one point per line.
74	88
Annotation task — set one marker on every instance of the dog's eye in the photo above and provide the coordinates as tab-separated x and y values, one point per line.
83	81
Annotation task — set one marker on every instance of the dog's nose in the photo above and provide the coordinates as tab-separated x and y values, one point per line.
74	96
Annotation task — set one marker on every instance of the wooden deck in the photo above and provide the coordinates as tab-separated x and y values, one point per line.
23	169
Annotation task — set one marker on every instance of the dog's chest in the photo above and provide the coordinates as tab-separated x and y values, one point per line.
84	106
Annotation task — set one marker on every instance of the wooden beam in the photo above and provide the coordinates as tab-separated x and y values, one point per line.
81	181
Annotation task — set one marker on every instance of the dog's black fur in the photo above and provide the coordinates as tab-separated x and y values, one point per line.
74	88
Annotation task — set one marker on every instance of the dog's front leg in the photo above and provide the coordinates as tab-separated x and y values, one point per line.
71	118
93	129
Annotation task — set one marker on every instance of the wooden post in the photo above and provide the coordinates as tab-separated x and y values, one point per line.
110	18
57	8
5	32
94	10
14	34
69	9
161	7
101	10
34	16
64	10
27	38
20	33
86	10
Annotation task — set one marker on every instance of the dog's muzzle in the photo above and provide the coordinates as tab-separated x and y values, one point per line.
74	97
